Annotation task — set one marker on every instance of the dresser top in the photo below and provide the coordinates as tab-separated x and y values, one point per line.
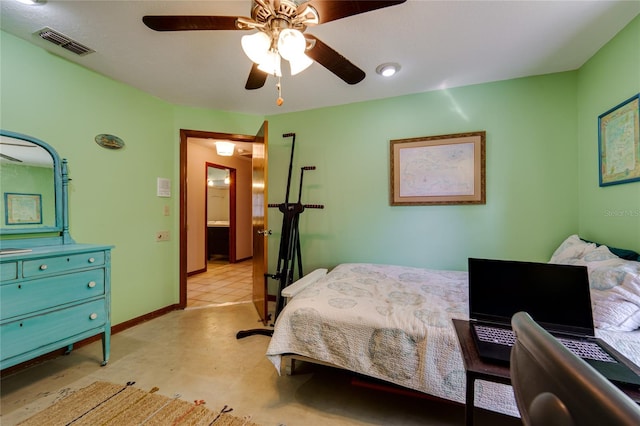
18	252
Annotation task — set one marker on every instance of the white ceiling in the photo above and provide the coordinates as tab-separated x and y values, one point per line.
439	44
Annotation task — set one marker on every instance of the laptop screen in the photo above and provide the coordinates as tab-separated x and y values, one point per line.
556	296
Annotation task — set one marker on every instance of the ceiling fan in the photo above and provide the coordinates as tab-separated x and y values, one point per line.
280	24
9	157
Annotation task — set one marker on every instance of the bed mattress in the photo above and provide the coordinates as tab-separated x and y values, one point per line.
394	323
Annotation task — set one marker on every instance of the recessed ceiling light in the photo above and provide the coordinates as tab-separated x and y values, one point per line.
388	69
224	148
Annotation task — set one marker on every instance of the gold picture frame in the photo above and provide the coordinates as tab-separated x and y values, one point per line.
438	170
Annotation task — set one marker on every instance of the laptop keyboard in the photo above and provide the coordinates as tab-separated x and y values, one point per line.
580	348
587	350
495	335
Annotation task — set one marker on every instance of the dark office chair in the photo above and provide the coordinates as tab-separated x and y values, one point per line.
552	386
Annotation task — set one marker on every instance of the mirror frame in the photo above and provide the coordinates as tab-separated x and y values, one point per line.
59	169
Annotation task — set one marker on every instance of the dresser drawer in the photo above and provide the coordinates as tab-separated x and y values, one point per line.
8	271
31	333
31	296
52	265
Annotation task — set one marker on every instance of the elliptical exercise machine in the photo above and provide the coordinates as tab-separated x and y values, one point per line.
289	254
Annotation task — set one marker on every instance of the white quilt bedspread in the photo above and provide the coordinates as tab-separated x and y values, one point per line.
394	323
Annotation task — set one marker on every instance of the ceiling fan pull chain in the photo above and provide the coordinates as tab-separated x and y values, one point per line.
280	101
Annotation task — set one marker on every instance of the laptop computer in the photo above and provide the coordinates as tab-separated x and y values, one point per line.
556	296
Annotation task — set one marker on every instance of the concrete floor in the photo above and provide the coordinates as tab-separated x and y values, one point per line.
195	353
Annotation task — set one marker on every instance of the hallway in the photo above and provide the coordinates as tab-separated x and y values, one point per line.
223	283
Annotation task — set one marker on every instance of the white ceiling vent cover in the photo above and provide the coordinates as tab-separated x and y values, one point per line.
64	41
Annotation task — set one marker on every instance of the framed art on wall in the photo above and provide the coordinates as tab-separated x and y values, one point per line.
443	169
619	143
23	209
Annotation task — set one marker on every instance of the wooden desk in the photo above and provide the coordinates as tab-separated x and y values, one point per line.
476	368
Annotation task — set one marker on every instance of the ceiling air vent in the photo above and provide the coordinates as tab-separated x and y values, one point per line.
64	41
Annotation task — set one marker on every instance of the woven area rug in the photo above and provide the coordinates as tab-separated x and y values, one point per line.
103	403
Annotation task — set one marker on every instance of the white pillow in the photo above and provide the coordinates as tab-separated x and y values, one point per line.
614	283
571	250
615	290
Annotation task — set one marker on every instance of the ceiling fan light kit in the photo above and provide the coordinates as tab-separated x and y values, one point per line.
291	43
256	45
270	63
280	25
279	36
299	63
291	46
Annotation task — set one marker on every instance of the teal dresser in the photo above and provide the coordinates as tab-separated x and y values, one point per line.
53	291
53	297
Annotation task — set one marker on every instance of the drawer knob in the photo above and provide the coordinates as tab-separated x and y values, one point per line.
93	316
43	267
91	260
92	284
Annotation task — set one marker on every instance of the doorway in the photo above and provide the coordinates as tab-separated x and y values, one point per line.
187	137
220	213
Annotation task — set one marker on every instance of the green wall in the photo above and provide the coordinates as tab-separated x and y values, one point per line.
541	167
531	174
112	195
610	213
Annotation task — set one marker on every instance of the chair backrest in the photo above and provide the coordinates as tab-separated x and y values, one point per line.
552	386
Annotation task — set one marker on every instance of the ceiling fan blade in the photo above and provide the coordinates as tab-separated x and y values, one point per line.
330	10
17	144
334	62
256	79
190	23
8	157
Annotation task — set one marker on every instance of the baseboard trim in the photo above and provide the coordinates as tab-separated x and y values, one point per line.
196	272
114	329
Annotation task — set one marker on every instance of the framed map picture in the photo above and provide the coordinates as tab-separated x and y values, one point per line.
22	209
444	169
619	143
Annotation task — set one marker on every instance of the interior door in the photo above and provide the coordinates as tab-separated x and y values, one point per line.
259	221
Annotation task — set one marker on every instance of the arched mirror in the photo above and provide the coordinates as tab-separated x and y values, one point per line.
32	199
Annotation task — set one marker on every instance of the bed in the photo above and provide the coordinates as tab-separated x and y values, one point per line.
393	323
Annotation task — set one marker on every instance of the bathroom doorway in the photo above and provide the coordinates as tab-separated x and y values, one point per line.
220	208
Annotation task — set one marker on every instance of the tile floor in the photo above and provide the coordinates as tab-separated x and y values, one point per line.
195	353
223	283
